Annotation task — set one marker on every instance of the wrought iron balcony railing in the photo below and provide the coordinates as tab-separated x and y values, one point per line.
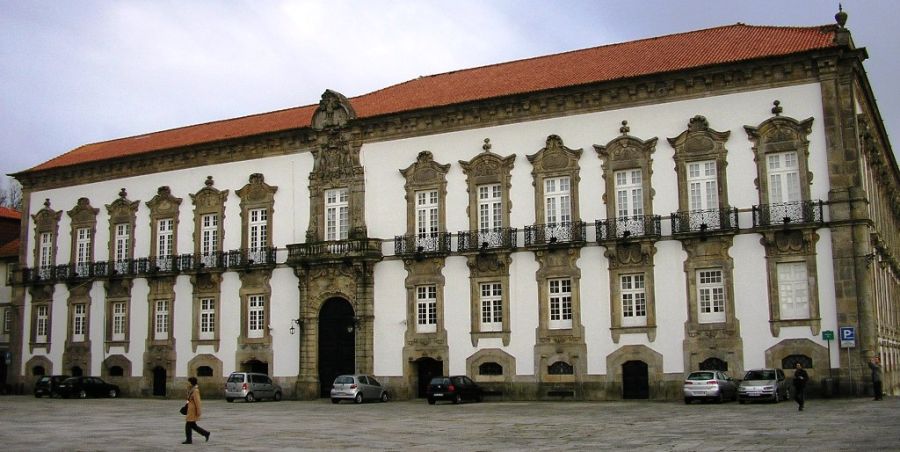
156	265
312	252
433	243
788	213
249	257
710	220
555	233
639	226
486	239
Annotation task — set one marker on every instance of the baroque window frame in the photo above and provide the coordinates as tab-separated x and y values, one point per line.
82	217
121	212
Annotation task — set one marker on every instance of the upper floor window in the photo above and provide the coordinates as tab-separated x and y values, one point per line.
629	193
79	322
46	252
122	239
560	303
784	177
703	190
427	219
634	300
256	316
161	320
710	296
557	200
7	320
83	245
491	306
209	234
258	229
337	211
165	237
490	204
42	323
793	290
426	309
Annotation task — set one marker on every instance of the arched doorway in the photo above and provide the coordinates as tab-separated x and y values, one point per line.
255	365
159	381
635	380
76	371
337	342
714	364
426	369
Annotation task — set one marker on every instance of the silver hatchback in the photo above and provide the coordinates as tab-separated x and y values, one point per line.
251	387
357	388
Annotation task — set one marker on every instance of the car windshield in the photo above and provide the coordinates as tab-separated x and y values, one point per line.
760	375
701	376
43	379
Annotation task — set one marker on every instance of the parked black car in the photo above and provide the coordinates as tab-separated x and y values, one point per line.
83	387
48	385
455	388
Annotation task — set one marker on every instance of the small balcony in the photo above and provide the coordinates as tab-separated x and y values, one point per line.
554	234
202	262
626	228
159	265
254	257
705	221
484	240
433	244
333	251
788	213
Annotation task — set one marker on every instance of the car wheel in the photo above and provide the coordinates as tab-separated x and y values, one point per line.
113	394
277	397
229	399
250	397
720	398
358	398
776	398
431	401
335	401
82	394
384	397
457	398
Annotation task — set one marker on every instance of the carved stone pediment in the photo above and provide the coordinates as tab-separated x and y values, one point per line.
334	110
699	140
209	198
122	210
487	166
83	213
626	151
425	171
46	218
257	191
164	204
555	156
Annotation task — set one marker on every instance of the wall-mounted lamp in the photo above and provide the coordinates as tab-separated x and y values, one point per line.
298	322
354	324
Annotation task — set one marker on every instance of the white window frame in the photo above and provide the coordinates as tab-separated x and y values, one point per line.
7	320
629	193
209	234
256	316
83	244
711	295
161	320
42	324
793	290
426	309
79	322
337	214
45	257
207	327
165	237
491	306
119	320
783	170
123	238
557	201
427	213
560	303
490	207
703	185
633	293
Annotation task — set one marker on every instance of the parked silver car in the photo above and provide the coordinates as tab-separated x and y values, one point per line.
709	385
251	387
764	384
357	388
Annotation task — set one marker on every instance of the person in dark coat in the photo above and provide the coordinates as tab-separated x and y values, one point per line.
800	379
193	412
875	365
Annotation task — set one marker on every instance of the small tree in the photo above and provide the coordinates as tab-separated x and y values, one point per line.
11	194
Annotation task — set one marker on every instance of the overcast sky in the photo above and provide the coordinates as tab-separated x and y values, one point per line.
78	72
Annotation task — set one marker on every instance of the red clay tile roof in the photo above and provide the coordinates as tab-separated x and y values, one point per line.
676	52
9	249
6	212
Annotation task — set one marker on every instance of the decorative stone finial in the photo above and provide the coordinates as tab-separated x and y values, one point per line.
487	145
47	203
122	193
624	129
209	181
776	110
841	16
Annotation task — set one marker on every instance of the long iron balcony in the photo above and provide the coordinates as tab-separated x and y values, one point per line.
334	250
702	221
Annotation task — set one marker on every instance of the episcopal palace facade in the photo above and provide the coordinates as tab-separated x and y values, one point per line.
592	225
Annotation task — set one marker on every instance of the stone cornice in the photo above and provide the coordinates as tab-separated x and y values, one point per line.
652	89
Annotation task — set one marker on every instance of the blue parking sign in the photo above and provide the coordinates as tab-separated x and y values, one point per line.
848	336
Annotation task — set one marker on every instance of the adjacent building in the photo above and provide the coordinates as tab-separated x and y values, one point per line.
589	225
9	252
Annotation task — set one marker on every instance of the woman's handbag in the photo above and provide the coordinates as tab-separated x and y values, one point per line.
183	409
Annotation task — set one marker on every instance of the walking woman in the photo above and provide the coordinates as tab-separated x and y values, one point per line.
193	412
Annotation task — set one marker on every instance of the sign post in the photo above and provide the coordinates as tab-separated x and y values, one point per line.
848	341
828	336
